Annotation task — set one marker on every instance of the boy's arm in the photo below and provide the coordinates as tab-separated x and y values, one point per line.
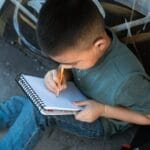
132	104
134	98
127	115
93	110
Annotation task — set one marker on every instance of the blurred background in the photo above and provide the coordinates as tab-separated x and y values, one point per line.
130	19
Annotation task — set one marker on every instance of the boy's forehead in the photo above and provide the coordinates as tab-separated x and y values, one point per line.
69	57
72	55
67	62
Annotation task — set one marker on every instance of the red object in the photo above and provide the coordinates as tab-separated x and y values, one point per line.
126	147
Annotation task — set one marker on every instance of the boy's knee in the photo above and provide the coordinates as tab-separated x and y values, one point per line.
20	100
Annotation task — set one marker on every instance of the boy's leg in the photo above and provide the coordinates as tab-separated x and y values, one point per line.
70	124
26	121
10	109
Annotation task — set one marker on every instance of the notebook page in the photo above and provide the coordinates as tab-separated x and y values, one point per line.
61	102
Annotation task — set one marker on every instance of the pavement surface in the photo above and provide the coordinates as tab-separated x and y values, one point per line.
14	61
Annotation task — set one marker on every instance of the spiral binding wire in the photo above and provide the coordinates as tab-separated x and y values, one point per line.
31	93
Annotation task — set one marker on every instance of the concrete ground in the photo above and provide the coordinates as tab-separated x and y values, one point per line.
14	61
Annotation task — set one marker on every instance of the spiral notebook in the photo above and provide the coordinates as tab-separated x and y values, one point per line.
47	102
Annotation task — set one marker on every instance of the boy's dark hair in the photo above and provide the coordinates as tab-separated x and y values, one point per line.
65	23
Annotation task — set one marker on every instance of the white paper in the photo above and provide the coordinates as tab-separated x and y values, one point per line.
51	101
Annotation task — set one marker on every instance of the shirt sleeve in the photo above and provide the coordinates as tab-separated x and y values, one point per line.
134	93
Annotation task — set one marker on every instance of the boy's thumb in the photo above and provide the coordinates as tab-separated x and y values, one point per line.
80	103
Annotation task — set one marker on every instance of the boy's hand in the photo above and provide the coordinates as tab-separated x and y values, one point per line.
91	112
52	82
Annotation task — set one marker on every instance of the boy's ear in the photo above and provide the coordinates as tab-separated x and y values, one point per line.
100	44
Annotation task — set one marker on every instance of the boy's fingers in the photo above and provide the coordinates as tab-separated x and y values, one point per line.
55	76
56	80
52	82
51	86
80	103
64	84
63	87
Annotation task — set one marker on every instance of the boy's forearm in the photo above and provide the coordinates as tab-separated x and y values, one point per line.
126	115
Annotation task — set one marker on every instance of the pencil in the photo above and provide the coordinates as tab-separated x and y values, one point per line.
61	75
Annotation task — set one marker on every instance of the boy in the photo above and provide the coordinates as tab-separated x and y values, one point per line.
72	32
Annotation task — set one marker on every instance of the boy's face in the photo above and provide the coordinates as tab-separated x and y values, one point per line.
79	58
83	57
75	58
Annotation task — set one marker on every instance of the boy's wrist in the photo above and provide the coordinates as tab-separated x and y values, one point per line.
105	114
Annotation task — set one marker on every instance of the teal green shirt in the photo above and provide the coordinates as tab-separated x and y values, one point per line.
117	79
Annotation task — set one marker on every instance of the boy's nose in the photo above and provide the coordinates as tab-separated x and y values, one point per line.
67	66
